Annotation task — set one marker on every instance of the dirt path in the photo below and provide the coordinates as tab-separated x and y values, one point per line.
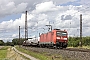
12	55
28	56
1	47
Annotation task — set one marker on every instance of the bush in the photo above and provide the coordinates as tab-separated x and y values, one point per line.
74	41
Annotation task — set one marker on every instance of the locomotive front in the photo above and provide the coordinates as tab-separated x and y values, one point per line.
61	38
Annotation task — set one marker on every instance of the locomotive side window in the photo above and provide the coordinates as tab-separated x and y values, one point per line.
61	33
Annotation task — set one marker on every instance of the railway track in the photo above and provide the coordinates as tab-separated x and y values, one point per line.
69	49
71	53
78	49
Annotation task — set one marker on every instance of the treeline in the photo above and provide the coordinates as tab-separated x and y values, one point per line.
74	41
15	41
2	43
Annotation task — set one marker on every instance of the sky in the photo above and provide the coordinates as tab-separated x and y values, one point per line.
61	14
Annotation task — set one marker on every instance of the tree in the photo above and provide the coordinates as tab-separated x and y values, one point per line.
1	42
16	41
74	41
8	43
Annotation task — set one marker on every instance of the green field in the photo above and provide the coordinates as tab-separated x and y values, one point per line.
3	53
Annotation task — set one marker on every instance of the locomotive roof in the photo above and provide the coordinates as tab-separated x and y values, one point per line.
56	29
60	30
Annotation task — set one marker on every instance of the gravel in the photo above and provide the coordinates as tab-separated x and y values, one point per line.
71	55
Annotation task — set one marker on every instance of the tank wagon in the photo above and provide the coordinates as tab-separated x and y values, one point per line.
55	38
31	42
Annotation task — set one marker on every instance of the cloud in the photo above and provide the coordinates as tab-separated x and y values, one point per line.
67	17
45	17
11	8
19	6
15	35
45	7
6	39
42	13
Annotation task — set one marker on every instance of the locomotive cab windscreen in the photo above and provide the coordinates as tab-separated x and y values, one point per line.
59	33
61	36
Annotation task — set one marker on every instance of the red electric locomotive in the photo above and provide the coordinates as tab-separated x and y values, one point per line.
54	38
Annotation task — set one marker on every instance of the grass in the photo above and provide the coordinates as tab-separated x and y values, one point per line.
42	56
34	54
85	47
3	52
25	57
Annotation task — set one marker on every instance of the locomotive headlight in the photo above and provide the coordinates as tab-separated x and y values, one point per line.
65	38
58	37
